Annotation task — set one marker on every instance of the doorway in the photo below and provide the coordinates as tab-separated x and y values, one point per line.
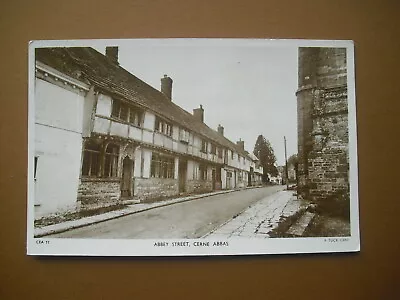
127	182
250	177
213	179
182	175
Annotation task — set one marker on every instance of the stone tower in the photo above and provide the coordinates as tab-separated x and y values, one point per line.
322	114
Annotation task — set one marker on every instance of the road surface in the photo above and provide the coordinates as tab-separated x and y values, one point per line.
191	219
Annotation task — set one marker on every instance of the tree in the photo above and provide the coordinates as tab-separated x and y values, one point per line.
264	152
294	161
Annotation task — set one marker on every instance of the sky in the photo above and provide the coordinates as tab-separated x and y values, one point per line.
247	86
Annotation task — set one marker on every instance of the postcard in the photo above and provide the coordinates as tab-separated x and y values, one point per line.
191	147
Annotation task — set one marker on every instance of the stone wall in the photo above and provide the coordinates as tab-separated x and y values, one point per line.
328	172
153	189
322	123
198	186
96	193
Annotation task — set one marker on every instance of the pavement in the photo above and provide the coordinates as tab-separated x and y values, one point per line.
260	219
130	209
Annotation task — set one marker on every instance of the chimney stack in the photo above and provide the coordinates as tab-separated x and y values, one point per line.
198	113
220	129
112	54
166	86
240	143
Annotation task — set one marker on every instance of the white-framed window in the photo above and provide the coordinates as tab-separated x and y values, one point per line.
184	136
163	126
162	166
203	172
204	146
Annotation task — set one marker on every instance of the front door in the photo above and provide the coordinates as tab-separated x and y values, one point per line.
127	172
228	180
250	177
213	179
182	175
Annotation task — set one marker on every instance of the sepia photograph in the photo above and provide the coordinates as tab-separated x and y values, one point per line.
168	147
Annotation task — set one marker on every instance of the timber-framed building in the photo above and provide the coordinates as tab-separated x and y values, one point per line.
103	136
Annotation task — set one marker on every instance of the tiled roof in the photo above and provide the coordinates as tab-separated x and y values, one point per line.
94	68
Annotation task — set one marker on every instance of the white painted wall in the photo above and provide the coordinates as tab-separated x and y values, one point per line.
175	132
137	171
104	104
147	163
176	168
58	144
223	179
58	107
149	120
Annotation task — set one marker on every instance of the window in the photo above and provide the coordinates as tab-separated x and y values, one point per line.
238	157
204	146
231	154
226	156
162	166
203	172
111	161
127	113
195	172
91	159
135	116
184	136
163	127
219	150
213	149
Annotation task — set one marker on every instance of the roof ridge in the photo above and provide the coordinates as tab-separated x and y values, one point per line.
115	79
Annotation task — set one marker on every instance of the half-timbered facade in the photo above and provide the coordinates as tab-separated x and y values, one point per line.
130	141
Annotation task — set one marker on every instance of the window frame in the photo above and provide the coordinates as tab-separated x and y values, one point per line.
203	172
130	110
162	126
162	166
204	146
112	165
91	160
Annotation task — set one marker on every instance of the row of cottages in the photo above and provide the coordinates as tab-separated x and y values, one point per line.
103	136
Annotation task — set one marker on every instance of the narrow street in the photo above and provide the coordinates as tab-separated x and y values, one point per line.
192	219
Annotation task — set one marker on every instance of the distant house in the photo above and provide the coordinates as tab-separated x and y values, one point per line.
256	171
103	136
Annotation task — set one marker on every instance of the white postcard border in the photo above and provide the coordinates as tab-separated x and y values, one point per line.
231	246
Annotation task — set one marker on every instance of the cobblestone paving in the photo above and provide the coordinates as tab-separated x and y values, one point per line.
260	218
